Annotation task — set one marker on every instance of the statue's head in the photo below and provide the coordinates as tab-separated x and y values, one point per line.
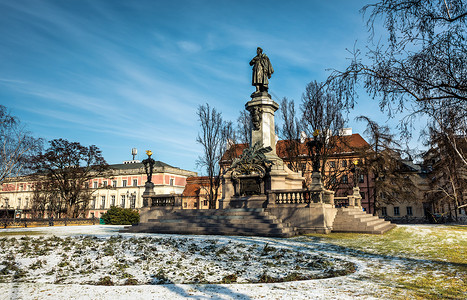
259	50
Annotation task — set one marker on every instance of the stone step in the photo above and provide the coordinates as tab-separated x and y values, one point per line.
212	217
219	212
218	221
240	221
366	218
355	220
209	225
215	230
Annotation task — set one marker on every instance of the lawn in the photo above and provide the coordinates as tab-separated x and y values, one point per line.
412	261
432	259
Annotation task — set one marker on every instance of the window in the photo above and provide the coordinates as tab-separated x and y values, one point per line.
345	179
333	179
124	183
104	183
93	202
362	194
396	211
135	182
123	201
185	205
114	183
409	210
344	163
86	185
171	182
27	203
19	202
361	178
384	211
92	215
102	202
205	202
112	200
133	201
95	185
332	164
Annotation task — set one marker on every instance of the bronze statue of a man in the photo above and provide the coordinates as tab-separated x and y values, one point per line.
262	71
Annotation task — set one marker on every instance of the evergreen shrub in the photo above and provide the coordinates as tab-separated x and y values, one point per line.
120	216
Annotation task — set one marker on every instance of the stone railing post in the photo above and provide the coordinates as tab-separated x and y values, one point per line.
357	196
178	201
329	197
271	199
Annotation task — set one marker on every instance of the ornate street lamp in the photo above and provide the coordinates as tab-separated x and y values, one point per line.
315	147
149	185
6	207
355	171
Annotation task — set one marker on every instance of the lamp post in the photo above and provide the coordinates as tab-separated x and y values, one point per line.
355	171
356	190
314	147
149	185
6	207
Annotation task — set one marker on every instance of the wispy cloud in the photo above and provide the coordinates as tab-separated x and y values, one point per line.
134	72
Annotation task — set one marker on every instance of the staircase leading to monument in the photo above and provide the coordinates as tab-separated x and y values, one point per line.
355	220
242	221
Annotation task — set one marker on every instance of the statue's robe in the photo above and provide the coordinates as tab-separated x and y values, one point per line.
262	70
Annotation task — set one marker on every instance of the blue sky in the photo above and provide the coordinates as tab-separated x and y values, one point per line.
121	74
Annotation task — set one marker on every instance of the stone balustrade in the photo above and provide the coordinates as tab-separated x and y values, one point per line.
341	201
303	196
162	201
355	199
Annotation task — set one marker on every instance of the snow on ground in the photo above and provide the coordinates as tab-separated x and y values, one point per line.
76	262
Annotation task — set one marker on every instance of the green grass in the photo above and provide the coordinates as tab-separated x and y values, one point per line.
434	260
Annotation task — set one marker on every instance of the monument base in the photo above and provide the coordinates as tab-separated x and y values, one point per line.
149	189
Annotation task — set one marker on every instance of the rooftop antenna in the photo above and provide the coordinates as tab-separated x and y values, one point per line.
134	152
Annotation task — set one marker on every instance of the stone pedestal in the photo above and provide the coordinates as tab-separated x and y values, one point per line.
262	108
148	194
316	183
149	189
279	176
355	200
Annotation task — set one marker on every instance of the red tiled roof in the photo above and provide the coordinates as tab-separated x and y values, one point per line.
194	184
345	144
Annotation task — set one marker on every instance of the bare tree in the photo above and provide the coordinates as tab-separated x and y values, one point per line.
244	128
67	166
294	137
16	145
448	173
46	198
214	138
322	112
382	160
423	65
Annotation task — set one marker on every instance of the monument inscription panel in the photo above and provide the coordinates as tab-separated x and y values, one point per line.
250	186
